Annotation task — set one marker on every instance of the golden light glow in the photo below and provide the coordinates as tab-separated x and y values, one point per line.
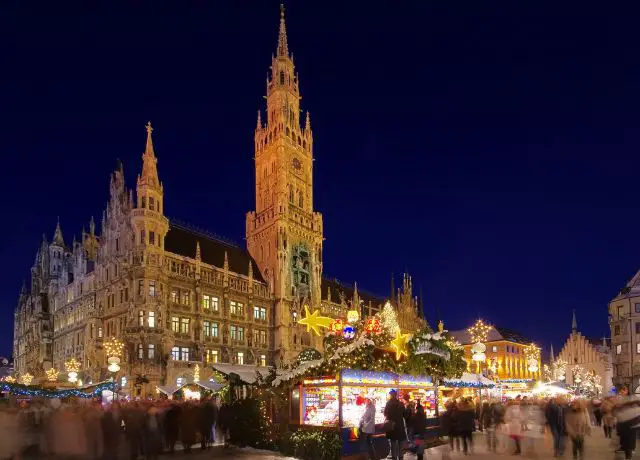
113	347
399	344
26	379
10	379
479	331
196	373
72	365
353	316
52	374
314	321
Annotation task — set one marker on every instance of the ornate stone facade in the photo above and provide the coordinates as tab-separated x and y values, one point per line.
179	297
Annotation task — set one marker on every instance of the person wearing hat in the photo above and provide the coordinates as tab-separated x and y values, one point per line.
394	423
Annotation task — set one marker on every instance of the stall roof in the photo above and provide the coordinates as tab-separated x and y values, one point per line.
171	389
248	374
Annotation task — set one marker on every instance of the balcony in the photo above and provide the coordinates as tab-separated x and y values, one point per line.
211	338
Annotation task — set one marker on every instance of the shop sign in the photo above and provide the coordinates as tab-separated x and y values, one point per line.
427	348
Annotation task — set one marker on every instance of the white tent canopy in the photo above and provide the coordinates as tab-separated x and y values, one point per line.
171	389
247	373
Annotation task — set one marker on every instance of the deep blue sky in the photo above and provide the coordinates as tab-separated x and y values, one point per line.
489	148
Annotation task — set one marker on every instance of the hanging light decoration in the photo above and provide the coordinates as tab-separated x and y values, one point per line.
532	352
478	350
113	349
52	374
196	373
26	379
479	333
72	367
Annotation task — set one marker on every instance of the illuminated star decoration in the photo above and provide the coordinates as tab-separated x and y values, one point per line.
399	344
314	321
479	332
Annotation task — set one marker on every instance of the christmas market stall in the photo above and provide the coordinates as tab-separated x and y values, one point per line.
468	385
365	359
24	390
190	390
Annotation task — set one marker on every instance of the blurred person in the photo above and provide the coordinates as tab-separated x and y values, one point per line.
134	417
447	423
152	433
368	427
489	422
224	422
514	422
172	426
92	419
554	415
608	420
464	419
206	418
627	414
418	428
12	442
188	426
67	433
111	431
577	425
394	424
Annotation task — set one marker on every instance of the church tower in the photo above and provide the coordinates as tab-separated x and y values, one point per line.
284	234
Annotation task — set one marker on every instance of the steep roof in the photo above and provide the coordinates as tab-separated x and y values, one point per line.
631	289
495	334
336	287
182	240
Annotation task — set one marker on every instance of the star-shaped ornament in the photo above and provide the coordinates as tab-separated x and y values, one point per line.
314	321
399	344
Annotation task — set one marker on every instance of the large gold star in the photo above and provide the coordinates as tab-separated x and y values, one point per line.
313	321
399	344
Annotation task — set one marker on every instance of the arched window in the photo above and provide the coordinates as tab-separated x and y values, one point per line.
290	194
288	132
282	77
295	339
261	252
300	199
144	202
304	144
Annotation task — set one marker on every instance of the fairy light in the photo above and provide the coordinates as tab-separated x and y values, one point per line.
196	373
113	347
479	331
26	379
10	379
72	367
52	374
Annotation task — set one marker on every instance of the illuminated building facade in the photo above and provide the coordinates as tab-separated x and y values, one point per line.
624	322
179	296
506	354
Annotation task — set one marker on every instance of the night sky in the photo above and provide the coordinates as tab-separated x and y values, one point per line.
489	148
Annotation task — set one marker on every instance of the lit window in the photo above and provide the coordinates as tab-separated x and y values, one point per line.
263	360
184	325
185	353
494	349
152	288
175	353
240	358
240	334
140	351
236	308
179	381
175	296
214	329
263	313
140	287
100	332
206	301
123	382
141	318
618	349
151	319
151	203
256	312
185	298
175	324
151	351
263	337
212	356
234	335
215	304
295	316
206	328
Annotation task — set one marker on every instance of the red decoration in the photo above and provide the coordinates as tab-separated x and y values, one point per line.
360	400
336	327
373	326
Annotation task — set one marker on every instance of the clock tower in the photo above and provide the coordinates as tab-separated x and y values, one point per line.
284	234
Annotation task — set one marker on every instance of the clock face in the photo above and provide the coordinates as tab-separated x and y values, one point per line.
296	164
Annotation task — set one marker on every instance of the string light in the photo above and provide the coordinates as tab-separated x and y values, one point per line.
479	331
196	373
23	390
52	374
390	319
10	379
113	347
72	367
27	378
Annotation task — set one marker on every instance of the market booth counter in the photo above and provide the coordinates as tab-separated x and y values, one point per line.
338	402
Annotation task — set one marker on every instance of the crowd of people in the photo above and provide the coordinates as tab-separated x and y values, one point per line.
513	426
90	430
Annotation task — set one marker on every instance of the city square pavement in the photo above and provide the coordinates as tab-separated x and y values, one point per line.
597	447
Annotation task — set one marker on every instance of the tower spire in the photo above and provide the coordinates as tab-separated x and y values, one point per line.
283	47
551	355
57	236
149	174
574	323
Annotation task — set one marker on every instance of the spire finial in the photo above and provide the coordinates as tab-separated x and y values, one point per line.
198	254
552	356
259	123
283	47
307	124
149	169
57	236
574	323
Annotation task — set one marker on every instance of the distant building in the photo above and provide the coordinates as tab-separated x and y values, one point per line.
505	355
593	355
624	322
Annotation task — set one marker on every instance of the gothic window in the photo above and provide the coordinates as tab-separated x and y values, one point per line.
159	207
144	201
282	77
300	199
140	351
142	237
152	204
152	238
151	351
304	144
290	193
288	132
117	244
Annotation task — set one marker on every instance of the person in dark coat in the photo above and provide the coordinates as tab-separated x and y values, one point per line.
134	430
447	423
419	428
224	422
188	426
172	426
152	434
464	419
555	417
111	432
394	423
206	418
